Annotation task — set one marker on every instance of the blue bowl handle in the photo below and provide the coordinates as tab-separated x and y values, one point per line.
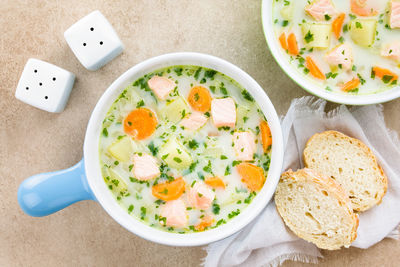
46	193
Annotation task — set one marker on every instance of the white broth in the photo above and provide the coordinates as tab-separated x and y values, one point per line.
171	156
346	46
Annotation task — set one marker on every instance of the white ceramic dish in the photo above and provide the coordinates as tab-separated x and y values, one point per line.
308	84
96	186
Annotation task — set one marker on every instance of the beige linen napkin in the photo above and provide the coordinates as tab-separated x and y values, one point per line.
266	241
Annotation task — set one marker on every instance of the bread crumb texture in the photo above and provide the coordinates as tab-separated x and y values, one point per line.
350	163
316	208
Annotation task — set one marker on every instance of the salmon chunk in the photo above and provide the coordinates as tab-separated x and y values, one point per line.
244	145
365	8
175	214
161	86
318	9
341	56
223	112
394	19
194	121
200	196
391	51
145	167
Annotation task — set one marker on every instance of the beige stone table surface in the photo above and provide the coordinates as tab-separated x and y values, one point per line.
34	141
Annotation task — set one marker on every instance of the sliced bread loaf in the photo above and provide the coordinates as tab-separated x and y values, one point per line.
316	209
351	163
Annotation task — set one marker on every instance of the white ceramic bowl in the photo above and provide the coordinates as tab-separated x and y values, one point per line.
306	83
46	193
105	198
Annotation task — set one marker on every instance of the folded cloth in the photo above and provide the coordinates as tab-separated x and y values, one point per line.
267	241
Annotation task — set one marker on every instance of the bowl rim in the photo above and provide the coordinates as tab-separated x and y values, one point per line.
107	201
308	85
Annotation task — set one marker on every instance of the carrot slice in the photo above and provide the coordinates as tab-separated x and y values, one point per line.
385	74
169	190
337	25
314	70
350	85
292	45
140	123
252	175
215	182
205	222
266	136
282	40
200	99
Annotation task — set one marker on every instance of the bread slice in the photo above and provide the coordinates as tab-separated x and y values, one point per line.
316	208
351	163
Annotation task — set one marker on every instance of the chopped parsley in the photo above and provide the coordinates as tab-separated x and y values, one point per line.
215	208
246	95
227	170
193	166
153	149
140	104
193	144
309	37
197	73
143	213
163	220
208	167
223	89
210	74
178	71
134	180
250	197
176	159
105	132
130	209
234	213
387	78
221	221
235	162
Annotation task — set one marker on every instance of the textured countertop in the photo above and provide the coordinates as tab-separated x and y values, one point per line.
34	141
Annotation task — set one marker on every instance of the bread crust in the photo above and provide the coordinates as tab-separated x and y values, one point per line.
367	151
332	187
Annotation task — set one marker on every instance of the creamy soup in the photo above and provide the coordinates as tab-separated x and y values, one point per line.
347	46
185	149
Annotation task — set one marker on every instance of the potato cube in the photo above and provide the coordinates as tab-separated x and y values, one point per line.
316	35
117	182
121	149
175	154
287	12
242	115
175	110
362	31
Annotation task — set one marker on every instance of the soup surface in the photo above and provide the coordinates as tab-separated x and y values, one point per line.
185	149
347	46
